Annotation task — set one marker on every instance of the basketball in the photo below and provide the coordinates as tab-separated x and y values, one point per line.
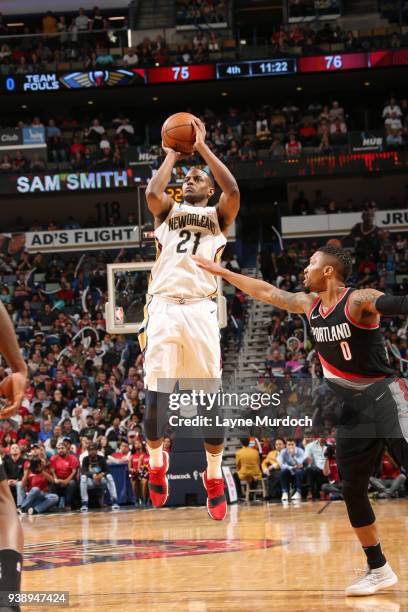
178	133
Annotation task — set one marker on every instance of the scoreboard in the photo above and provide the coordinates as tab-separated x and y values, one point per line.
269	67
333	63
278	67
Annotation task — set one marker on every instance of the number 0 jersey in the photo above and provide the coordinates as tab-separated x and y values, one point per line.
187	230
352	354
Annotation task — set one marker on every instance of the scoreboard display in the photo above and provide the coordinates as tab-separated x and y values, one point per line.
181	74
221	71
270	67
333	63
175	192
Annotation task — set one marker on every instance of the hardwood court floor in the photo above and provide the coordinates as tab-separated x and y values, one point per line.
263	557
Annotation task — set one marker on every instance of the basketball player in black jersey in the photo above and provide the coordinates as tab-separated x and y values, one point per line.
345	324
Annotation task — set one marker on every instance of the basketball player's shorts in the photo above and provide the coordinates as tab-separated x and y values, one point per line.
181	343
368	422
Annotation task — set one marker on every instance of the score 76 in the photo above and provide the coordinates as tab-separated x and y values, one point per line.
333	62
181	73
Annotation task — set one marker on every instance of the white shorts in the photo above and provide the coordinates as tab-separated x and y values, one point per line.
181	343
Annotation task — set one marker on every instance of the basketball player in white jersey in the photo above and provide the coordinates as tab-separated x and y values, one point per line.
180	333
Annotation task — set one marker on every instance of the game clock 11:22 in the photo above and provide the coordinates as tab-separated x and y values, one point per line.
267	67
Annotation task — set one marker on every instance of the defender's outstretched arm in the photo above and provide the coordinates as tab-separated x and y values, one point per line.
260	290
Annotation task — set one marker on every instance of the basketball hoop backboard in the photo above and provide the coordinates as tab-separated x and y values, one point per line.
127	289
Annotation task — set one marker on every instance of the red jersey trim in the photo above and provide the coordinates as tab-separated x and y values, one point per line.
326	314
356	323
313	306
348	375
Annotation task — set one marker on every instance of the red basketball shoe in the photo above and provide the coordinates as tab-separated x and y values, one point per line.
216	501
158	483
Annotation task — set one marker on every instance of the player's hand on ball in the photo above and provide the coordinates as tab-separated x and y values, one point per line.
208	265
200	132
13	389
178	156
168	151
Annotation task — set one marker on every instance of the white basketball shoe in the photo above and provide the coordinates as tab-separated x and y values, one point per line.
372	581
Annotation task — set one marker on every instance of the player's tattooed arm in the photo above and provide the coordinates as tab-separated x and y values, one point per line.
260	290
228	205
364	300
362	306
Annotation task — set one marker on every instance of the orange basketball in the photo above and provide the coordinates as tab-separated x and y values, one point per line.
178	132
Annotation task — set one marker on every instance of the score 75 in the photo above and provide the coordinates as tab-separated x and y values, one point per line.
181	73
333	62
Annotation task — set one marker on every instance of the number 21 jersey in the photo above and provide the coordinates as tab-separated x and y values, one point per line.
187	230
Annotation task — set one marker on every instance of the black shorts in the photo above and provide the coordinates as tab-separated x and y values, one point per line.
369	421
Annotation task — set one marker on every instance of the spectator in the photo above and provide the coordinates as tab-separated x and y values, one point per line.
315	460
64	468
68	432
36	481
248	465
277	150
292	473
131	58
334	487
104	58
301	205
49	23
336	112
81	21
391	481
62	30
93	477
338	131
271	469
20	163
96	131
391	110
213	43
275	364
14	468
6	163
293	148
120	456
135	473
37	164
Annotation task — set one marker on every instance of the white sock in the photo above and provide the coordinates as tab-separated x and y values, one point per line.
214	464
156	456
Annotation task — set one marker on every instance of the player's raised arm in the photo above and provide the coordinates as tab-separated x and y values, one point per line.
228	206
260	290
158	201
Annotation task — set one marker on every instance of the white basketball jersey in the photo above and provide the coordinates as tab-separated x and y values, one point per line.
187	230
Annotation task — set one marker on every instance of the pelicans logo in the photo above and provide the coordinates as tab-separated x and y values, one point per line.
102	78
69	553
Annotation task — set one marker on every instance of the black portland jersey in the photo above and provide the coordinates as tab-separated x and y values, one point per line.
352	354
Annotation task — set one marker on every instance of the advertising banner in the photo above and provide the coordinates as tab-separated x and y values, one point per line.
340	224
367	141
101	238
